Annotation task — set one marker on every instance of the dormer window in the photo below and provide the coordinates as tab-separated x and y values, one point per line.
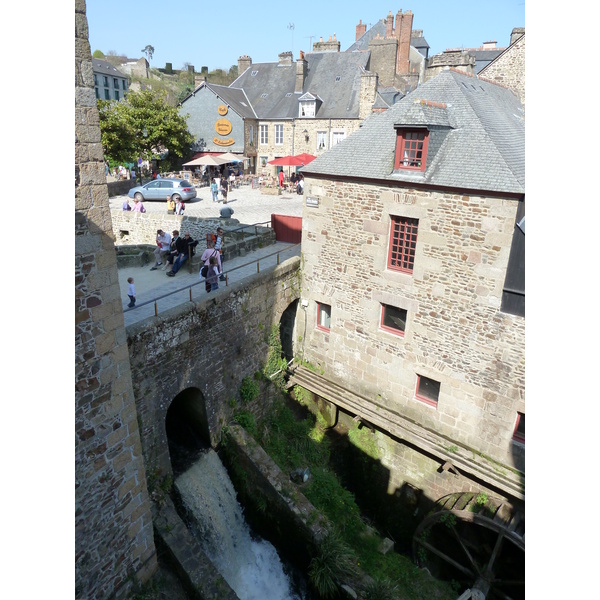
411	149
307	109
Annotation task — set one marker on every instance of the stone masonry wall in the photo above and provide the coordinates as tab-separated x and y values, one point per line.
113	523
455	333
509	69
208	347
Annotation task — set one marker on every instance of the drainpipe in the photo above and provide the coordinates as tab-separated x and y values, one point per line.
329	135
293	134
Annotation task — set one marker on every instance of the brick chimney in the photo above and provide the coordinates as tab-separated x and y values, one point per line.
389	25
361	29
300	74
403	33
244	63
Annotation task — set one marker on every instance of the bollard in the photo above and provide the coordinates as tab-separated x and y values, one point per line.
155	308
190	294
258	266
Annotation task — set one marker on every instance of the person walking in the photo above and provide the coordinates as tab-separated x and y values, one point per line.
281	178
205	258
219	243
224	189
214	190
212	277
131	293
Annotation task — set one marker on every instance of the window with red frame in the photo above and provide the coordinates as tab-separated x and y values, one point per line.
519	432
403	242
393	319
411	149
428	390
323	316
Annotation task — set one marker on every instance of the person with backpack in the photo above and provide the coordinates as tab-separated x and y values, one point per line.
209	253
179	206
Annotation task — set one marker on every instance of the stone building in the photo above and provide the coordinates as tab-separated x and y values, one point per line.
413	278
114	541
283	108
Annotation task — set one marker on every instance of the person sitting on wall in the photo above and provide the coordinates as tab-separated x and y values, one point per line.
300	184
226	212
188	247
163	248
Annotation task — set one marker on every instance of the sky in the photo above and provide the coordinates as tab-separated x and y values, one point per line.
202	33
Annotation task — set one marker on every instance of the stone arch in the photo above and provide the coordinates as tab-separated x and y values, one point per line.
187	428
287	325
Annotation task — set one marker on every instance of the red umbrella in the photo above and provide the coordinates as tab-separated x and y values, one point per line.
287	161
305	157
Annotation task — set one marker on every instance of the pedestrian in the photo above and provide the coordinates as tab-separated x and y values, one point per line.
224	189
177	247
188	247
163	248
293	178
219	243
205	258
170	206
179	206
133	174
131	293
138	206
214	190
126	204
281	178
212	277
300	185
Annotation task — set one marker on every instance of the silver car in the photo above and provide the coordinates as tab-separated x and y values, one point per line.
159	189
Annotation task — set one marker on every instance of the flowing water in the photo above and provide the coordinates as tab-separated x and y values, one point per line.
250	566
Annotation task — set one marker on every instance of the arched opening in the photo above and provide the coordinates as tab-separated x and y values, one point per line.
286	330
187	429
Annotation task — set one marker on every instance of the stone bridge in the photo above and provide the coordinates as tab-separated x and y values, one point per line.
187	363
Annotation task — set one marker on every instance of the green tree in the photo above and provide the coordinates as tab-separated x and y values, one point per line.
148	51
123	124
98	54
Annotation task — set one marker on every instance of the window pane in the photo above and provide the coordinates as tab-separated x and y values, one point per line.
428	388
324	316
394	318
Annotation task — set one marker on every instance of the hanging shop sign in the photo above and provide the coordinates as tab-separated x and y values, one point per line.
220	142
223	127
222	110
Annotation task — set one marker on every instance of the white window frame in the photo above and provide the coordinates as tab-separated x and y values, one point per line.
264	134
307	109
279	134
321	138
335	137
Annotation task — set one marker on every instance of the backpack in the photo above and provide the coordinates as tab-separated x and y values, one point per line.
204	271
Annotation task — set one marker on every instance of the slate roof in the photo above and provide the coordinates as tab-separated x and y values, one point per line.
236	98
362	43
477	141
271	89
105	68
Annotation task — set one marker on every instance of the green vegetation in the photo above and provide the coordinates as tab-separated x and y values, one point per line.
276	365
351	546
123	123
248	390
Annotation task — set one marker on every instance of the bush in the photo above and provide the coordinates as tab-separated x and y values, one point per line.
248	390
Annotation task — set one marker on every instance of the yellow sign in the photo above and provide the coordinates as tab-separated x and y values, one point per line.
220	142
223	127
222	110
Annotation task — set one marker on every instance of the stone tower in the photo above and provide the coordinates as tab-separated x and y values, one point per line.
113	524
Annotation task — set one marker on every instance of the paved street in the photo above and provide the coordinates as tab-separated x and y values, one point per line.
250	207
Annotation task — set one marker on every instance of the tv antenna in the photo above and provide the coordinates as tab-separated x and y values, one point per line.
310	39
292	26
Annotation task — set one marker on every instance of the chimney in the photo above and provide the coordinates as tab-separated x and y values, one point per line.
389	25
516	33
244	63
300	74
285	59
361	29
403	33
489	45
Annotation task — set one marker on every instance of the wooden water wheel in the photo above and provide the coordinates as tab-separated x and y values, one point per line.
477	541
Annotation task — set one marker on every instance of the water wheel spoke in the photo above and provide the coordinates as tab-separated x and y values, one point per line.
466	551
490	566
449	560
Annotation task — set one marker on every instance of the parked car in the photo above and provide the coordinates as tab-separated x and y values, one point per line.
159	189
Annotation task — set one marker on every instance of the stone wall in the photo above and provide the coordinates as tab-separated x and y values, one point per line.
205	350
509	69
455	333
114	542
121	187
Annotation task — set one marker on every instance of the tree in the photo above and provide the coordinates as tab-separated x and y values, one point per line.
122	125
148	51
98	54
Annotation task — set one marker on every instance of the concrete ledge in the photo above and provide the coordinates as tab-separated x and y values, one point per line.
194	568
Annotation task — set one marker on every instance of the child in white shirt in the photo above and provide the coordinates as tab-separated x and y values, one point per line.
131	293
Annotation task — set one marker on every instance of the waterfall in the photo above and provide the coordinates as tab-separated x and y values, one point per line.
250	566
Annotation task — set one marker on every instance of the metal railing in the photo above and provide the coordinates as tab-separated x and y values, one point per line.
203	280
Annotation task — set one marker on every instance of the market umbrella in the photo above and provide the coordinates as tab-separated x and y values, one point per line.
231	157
305	157
287	161
214	161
